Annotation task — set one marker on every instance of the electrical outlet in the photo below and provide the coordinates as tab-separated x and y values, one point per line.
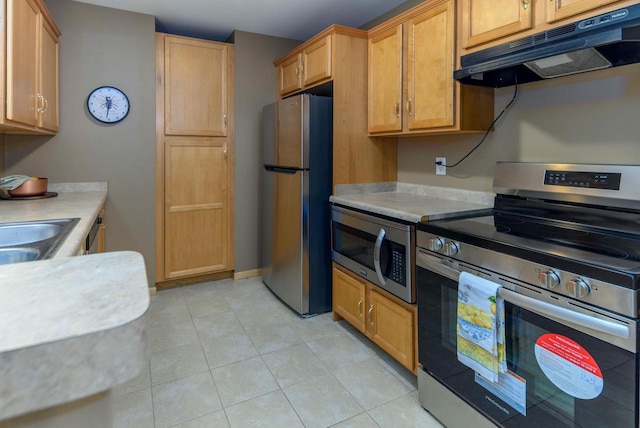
441	169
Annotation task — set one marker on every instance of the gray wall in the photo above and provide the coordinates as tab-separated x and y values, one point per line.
392	13
254	87
589	118
102	46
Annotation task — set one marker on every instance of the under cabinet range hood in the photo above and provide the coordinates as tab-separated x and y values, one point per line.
608	40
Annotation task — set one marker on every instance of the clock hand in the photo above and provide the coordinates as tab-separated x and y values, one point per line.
109	101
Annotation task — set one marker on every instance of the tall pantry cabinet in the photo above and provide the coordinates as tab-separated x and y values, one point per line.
194	158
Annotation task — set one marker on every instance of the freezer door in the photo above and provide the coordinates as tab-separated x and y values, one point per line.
289	127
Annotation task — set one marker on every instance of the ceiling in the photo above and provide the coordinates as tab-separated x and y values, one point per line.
216	19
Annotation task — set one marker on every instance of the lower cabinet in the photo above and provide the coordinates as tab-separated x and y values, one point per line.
388	321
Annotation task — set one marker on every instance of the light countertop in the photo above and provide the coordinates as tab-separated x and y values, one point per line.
70	327
412	202
83	200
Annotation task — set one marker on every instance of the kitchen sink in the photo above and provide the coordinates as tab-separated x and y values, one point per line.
27	233
17	255
33	240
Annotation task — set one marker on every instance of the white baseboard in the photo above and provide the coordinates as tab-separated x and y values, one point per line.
247	274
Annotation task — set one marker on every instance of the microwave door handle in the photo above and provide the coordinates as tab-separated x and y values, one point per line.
376	256
564	314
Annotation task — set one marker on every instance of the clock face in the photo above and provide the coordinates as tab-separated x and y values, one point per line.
108	104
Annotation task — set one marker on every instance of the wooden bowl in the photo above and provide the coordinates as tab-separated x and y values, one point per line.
35	186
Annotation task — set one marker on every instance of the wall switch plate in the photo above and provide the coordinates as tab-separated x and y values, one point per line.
441	169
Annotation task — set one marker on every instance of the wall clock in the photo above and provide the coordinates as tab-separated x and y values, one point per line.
108	104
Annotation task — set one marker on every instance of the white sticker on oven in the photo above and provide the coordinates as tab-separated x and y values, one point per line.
569	366
510	388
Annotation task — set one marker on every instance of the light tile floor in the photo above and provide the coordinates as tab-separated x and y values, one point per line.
230	354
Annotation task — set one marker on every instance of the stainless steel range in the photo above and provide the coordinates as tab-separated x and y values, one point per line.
563	244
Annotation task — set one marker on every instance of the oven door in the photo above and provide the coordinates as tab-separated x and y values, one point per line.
377	249
557	375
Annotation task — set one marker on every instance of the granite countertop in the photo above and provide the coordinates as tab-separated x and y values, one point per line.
413	202
83	200
70	328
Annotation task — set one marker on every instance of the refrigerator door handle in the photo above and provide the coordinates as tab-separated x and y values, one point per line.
376	255
283	169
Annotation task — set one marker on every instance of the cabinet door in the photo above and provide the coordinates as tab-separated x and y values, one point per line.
560	9
390	326
430	69
49	116
196	206
196	87
487	20
317	61
385	81
348	298
22	64
289	75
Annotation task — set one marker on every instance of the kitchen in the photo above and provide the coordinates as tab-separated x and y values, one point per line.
585	118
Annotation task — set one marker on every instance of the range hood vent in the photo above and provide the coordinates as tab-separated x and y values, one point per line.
608	40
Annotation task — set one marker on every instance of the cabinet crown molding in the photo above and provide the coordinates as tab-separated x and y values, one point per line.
47	17
334	29
404	16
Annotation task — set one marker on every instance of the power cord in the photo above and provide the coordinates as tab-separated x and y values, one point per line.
484	137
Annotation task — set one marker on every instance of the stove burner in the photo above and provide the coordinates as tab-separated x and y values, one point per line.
570	235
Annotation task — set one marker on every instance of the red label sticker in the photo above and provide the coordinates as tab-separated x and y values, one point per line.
569	366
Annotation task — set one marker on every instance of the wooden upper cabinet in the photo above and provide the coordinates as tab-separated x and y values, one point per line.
487	23
486	20
316	61
430	69
385	81
196	88
49	76
411	86
289	74
560	9
306	66
22	61
31	73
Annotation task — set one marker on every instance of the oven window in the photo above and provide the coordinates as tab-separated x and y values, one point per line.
546	404
358	246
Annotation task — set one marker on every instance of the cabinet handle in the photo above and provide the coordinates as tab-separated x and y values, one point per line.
525	4
224	154
370	319
40	103
409	107
360	308
398	108
224	120
46	104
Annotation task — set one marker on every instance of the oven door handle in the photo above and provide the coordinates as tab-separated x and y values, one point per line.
563	314
376	256
434	264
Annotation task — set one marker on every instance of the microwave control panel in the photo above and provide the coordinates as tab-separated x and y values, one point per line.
397	270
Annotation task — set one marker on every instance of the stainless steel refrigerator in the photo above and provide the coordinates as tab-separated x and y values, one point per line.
297	178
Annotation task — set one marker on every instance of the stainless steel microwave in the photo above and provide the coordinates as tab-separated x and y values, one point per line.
378	249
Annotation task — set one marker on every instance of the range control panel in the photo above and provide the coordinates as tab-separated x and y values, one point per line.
594	180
